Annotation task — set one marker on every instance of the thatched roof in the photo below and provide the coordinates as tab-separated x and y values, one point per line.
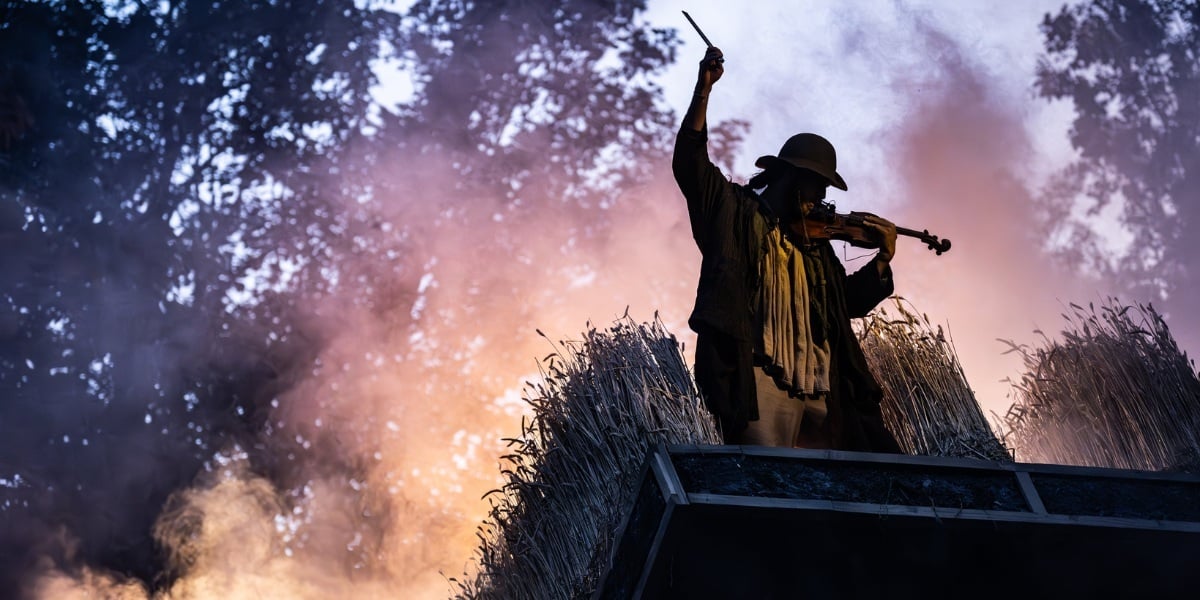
605	399
602	402
927	403
1116	391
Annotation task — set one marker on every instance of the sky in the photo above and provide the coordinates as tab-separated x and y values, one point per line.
931	108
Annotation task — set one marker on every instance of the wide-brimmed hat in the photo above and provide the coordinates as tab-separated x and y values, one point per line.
807	151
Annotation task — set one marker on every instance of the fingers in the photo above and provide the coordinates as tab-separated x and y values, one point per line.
875	221
871	217
713	60
881	223
886	232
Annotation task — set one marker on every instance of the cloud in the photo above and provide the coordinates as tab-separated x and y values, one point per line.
367	478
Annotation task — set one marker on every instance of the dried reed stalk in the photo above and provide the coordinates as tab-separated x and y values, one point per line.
1115	392
602	403
927	403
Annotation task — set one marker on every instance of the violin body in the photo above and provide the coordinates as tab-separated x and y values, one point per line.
829	225
837	227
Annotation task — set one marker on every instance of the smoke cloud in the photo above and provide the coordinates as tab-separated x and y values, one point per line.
930	108
367	478
382	452
967	168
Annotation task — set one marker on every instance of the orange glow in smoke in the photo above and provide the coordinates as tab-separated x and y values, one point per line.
405	419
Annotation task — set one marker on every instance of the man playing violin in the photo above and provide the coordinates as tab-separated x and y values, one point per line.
776	360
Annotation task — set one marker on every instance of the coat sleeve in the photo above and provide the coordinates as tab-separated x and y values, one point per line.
701	182
866	288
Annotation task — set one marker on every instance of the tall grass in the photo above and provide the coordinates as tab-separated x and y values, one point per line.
1115	392
605	399
601	403
927	403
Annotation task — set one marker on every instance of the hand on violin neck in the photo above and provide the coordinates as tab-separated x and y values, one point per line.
884	231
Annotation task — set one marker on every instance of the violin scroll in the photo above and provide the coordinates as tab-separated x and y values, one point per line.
938	246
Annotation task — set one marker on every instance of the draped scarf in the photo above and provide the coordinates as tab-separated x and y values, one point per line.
793	347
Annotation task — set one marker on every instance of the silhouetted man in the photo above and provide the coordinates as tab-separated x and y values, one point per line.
776	360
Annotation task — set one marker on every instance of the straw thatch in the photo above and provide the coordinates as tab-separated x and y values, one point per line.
1116	392
927	403
602	403
607	398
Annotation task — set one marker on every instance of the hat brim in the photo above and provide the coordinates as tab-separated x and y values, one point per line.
766	162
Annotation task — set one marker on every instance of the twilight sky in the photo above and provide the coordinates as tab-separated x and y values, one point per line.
936	125
931	107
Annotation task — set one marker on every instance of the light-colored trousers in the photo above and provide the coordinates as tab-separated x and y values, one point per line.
784	421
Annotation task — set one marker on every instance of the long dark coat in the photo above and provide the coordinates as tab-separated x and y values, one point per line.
729	225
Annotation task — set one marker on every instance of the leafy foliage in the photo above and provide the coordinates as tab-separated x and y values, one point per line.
1131	69
187	188
1115	392
163	171
546	93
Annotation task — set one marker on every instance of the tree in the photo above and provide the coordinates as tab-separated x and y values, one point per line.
165	158
1131	69
552	93
537	112
184	186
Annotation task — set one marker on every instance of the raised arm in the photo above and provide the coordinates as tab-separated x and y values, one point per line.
711	69
701	182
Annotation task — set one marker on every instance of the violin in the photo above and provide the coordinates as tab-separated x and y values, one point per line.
822	223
